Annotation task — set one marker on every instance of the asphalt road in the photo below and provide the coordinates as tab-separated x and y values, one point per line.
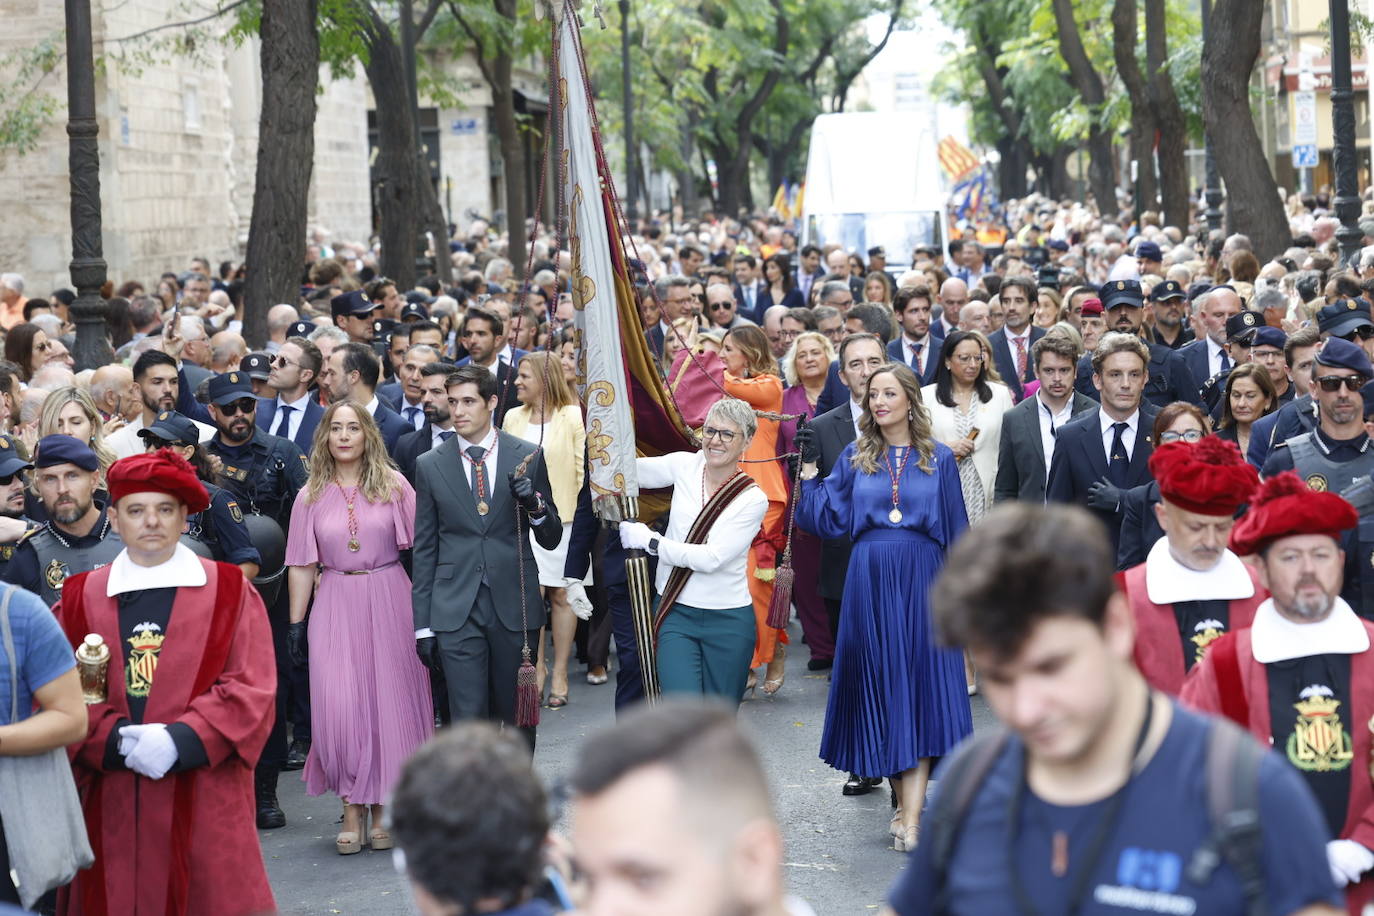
838	855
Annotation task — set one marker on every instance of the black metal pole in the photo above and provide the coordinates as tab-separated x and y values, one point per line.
83	157
1211	177
1343	162
631	166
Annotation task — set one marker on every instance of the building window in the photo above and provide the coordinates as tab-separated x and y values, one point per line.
190	107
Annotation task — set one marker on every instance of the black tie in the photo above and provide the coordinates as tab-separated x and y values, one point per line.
479	474
1225	362
1120	463
284	424
445	435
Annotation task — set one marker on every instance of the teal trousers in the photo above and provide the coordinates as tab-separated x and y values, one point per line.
706	651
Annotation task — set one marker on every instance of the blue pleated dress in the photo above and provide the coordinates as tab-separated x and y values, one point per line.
896	696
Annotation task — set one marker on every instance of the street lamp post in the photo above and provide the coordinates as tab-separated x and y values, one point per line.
1211	177
83	157
631	172
1347	202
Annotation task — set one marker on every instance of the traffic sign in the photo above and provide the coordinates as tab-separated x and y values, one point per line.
1305	156
1304	118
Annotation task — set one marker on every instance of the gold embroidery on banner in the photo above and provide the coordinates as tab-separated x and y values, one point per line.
1319	742
598	442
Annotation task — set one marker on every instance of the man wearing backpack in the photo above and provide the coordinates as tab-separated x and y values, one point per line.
1101	796
1301	676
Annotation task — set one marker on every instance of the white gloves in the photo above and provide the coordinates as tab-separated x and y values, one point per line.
635	535
148	749
1348	860
577	597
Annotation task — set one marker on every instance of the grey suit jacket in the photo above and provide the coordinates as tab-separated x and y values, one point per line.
456	549
1021	470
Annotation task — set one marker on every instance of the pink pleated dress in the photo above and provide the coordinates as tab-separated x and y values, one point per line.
370	703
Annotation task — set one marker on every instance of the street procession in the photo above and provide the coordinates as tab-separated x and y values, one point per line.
769	458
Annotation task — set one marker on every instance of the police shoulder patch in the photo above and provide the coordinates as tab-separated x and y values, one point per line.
234	511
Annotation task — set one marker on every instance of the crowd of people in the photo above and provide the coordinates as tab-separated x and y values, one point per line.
1088	470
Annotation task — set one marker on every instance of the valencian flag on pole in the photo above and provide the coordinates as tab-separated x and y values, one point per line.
628	409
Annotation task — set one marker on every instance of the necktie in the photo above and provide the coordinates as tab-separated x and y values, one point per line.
445	435
1225	361
749	298
479	473
916	359
1118	463
411	414
284	424
1020	358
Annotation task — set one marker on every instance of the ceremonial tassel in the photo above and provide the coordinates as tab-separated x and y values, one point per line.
526	692
780	607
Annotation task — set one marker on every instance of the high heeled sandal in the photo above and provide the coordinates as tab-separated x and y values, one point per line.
772	685
908	840
894	829
349	842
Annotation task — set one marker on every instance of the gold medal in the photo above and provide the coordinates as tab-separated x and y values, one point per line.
353	545
895	516
482	507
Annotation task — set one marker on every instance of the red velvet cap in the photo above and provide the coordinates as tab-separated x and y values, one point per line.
1209	477
162	471
1284	506
1092	306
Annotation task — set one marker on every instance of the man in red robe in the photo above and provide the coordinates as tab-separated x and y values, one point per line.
1301	677
1191	589
166	773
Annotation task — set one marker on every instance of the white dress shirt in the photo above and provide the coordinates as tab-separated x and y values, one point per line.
1214	352
909	349
436	437
417	419
1127	435
293	422
1050	422
371	407
856	411
1011	344
487	442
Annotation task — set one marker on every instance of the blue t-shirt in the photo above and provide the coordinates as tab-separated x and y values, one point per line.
1142	867
42	650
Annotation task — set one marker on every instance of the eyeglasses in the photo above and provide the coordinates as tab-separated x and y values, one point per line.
1188	435
283	362
967	358
242	405
1334	382
1363	333
724	435
721	306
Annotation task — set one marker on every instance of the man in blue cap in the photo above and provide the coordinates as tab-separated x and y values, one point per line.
1168	378
1240	332
1349	319
1337	451
1149	259
77	536
1169	302
14	525
353	314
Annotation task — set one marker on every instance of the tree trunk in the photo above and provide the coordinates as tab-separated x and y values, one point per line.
1252	197
512	157
1101	170
433	220
1013	156
396	192
286	154
1061	185
1173	127
1124	30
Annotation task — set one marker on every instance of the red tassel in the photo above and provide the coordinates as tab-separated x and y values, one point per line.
780	607
526	693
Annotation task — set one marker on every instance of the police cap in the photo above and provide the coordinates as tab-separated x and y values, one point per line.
1241	327
1266	336
173	427
229	386
300	328
413	311
1121	292
11	461
257	365
59	449
1336	353
1169	289
352	303
1344	317
1149	251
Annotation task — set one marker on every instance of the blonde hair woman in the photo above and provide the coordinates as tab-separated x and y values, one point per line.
549	416
370	704
897	699
71	412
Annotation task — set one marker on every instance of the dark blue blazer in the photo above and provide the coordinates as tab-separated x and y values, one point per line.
1006	365
1080	461
1194	356
1292	419
391	394
1139	526
391	424
897	351
835	391
305	433
187	405
410	447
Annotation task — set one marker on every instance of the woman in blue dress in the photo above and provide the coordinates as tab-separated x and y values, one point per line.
897	698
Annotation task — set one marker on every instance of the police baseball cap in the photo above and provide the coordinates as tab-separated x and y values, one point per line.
352	303
1343	317
1241	326
1336	353
300	328
877	251
170	426
413	311
381	327
1149	251
1058	245
1167	290
59	449
1266	336
229	386
257	365
1121	293
1198	289
11	461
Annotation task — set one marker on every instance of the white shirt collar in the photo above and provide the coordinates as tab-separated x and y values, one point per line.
1023	335
371	406
1049	411
487	442
183	570
1105	421
1167	581
436	432
299	404
1275	638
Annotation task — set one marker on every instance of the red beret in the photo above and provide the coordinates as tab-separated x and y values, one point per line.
162	471
1092	306
1209	477
1284	506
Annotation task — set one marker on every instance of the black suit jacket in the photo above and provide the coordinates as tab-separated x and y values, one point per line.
391	425
1006	364
1194	356
834	393
1080	461
896	351
1021	467
1139	526
305	433
457	550
410	447
834	430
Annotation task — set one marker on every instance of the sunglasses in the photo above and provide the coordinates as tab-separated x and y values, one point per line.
242	405
721	306
1364	333
283	362
1334	382
8	479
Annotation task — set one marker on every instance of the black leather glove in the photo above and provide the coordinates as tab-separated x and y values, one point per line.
1104	495
295	643
522	488
807	444
427	648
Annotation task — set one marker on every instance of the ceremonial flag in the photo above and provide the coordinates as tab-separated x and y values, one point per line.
957	160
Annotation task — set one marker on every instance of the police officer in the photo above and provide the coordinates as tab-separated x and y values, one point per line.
14	525
1266	348
258	367
1123	304
1338	450
1240	332
77	536
1170	302
219	530
264	473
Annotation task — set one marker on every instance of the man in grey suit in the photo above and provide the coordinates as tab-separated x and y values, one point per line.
466	584
1029	428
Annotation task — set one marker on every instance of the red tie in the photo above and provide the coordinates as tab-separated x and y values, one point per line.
1020	358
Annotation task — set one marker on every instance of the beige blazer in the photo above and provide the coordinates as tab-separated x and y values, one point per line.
988	420
565	444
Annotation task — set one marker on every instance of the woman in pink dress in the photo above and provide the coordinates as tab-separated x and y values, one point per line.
369	695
